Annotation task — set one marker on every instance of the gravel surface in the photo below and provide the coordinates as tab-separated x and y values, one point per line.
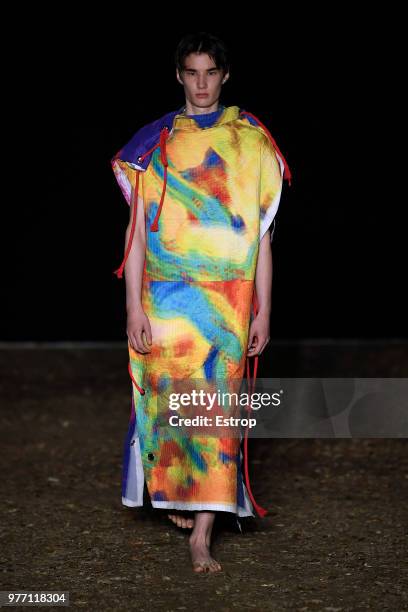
335	537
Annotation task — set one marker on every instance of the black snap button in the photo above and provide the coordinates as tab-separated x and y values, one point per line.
150	456
132	442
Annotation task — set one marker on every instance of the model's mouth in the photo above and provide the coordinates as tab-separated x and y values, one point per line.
202	95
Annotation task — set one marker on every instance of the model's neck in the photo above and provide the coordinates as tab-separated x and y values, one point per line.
192	109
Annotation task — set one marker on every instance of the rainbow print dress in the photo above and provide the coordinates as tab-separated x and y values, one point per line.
209	195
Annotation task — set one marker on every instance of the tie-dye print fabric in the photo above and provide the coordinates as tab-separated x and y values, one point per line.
223	190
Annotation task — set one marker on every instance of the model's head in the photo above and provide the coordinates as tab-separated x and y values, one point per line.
202	67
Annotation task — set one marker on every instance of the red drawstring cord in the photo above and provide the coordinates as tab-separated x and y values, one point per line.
288	176
154	227
287	173
163	135
140	389
119	271
261	511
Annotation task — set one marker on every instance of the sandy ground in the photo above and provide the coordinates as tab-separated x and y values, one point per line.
335	538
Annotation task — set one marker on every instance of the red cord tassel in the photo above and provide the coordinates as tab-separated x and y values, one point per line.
287	173
163	154
154	227
119	271
140	389
251	387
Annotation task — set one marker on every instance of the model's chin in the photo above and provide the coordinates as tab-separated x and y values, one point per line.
208	101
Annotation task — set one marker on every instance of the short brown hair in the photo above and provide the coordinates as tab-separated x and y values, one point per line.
202	42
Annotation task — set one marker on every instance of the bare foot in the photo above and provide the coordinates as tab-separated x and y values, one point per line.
200	555
182	521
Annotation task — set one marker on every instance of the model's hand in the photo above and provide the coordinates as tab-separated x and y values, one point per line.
138	331
258	335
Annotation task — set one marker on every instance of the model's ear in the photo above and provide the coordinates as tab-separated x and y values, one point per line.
226	77
178	77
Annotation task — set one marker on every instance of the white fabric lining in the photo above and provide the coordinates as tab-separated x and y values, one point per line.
273	207
135	486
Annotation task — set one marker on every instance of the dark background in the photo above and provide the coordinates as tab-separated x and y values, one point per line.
83	90
326	82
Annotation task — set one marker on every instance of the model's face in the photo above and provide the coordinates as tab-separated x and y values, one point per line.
201	76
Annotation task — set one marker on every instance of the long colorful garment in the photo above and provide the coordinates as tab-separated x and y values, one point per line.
209	195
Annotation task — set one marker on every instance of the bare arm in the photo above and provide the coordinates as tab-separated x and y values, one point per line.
263	278
259	334
135	261
138	325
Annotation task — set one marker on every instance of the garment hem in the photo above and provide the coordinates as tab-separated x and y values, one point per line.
241	512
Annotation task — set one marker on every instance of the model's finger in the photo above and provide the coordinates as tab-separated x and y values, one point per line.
138	342
132	339
148	333
131	342
145	343
258	351
255	342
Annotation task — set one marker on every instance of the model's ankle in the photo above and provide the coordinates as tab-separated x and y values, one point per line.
200	539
